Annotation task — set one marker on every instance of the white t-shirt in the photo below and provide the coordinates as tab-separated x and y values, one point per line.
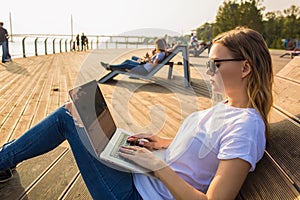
205	137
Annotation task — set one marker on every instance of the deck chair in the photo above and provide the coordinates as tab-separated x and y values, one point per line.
196	52
170	54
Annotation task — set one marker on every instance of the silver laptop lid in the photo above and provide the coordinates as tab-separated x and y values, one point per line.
94	114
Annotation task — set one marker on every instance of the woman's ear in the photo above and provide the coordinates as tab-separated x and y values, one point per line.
246	69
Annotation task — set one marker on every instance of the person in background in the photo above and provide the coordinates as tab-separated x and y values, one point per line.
73	46
78	42
142	65
83	42
213	151
193	41
4	42
86	43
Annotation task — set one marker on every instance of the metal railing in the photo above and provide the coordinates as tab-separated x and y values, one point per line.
43	44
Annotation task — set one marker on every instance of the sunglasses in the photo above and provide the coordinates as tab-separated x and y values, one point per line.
212	67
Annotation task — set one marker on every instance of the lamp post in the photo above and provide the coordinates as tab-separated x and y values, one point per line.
11	37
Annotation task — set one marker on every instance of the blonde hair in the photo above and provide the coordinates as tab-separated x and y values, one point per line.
250	45
161	44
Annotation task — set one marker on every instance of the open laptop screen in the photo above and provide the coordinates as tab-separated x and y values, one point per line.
94	114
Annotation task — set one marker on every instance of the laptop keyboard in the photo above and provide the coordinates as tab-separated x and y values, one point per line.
122	140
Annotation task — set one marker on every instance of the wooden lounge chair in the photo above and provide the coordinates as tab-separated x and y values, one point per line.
277	175
170	54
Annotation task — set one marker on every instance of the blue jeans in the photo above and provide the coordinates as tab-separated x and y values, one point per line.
127	64
135	58
4	50
102	181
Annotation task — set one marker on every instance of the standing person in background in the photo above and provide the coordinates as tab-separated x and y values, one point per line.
77	42
83	40
86	42
4	42
74	46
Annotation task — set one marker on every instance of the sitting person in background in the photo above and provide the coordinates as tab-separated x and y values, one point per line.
145	59
194	41
142	65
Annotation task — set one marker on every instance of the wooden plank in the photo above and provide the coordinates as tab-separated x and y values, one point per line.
54	182
267	182
283	144
287	96
77	191
27	173
16	106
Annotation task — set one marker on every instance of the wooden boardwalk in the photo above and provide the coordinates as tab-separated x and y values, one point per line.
31	88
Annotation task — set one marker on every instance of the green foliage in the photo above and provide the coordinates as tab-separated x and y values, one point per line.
274	26
233	14
205	32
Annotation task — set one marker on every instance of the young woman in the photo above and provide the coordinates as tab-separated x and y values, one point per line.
213	150
145	65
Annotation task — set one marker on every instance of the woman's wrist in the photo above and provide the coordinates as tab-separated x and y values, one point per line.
166	142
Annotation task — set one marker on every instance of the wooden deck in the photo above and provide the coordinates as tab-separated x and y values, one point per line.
31	88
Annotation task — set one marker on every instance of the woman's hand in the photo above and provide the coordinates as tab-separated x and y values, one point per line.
150	141
143	157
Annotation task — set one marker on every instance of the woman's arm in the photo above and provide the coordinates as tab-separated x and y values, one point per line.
226	184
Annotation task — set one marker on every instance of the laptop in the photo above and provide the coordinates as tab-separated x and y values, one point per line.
101	136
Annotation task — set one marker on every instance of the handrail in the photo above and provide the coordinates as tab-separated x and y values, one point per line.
99	41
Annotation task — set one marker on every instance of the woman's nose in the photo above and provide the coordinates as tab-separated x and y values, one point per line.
208	72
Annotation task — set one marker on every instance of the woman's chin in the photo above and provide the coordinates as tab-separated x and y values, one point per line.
217	90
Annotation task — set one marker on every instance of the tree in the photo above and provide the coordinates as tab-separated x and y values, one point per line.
250	15
204	32
291	22
233	14
273	27
227	17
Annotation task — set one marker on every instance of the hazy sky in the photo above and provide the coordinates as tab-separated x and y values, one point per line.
112	17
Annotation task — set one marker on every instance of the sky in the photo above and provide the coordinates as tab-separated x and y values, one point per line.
114	17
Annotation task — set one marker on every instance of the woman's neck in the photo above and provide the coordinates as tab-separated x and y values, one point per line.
238	100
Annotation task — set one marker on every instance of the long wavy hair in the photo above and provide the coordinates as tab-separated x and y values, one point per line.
250	45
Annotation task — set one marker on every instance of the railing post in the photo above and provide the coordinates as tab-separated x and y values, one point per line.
35	46
60	45
45	42
23	47
97	42
91	47
106	43
66	45
71	44
54	45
